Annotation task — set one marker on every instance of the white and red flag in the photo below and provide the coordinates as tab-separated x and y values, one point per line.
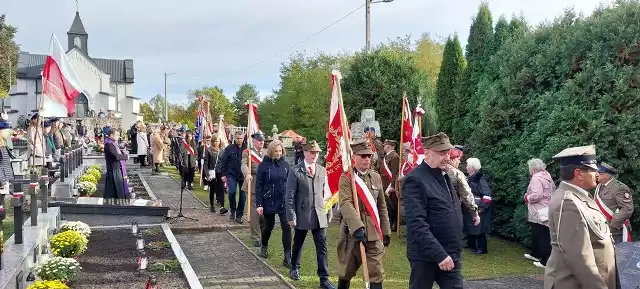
253	127
338	134
60	84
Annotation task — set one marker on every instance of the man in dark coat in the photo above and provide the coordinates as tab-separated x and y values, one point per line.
434	219
230	167
304	203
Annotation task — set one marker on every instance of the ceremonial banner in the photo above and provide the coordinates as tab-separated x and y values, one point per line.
337	159
60	84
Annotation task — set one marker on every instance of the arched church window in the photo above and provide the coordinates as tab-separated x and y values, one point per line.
82	106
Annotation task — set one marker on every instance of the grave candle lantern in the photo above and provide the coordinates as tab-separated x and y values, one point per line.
142	260
140	242
134	227
151	283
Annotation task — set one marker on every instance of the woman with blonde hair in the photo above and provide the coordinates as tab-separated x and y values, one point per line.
271	180
537	198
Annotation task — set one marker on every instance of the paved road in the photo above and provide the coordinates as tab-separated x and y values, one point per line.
220	261
168	190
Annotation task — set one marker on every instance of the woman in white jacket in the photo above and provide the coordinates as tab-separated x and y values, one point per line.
143	145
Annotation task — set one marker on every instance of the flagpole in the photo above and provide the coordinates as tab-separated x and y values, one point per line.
398	187
249	148
354	194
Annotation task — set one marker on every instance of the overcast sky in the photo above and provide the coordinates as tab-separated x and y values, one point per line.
230	42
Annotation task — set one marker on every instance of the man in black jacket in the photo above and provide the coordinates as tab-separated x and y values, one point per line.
434	219
230	167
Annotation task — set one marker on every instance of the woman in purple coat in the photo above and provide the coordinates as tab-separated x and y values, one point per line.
116	184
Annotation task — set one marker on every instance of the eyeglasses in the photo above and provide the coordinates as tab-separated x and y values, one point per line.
366	156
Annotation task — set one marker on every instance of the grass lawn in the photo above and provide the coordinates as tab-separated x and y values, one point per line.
7	223
198	191
504	259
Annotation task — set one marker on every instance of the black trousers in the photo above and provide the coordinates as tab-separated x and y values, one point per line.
142	160
540	242
478	242
320	242
216	189
188	174
269	223
424	274
392	208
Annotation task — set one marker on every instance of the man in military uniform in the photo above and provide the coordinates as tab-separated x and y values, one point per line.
376	147
582	254
388	171
360	228
615	202
256	221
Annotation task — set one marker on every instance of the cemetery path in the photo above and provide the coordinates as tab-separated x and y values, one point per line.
217	257
221	261
167	190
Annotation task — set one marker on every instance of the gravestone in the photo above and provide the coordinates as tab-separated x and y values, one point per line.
367	119
628	264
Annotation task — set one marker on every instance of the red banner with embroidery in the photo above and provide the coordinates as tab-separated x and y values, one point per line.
626	225
188	147
368	201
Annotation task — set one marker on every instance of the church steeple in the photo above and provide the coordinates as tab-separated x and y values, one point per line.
77	36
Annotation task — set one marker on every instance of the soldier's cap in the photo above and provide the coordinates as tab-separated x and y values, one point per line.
438	142
312	146
46	123
258	136
4	125
369	128
361	147
34	116
390	143
578	156
607	168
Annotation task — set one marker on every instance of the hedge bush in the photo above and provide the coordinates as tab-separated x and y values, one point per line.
574	81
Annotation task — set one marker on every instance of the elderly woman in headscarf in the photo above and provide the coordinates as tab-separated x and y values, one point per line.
116	185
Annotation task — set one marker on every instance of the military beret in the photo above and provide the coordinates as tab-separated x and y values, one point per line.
578	156
438	142
361	147
4	125
607	168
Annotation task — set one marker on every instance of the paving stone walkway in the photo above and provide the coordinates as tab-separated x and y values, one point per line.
220	261
168	190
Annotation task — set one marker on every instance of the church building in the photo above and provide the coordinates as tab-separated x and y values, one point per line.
108	83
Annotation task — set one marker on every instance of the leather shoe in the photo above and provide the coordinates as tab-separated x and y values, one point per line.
264	252
294	274
344	284
375	286
324	284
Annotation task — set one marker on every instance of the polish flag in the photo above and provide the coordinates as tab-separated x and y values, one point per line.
60	84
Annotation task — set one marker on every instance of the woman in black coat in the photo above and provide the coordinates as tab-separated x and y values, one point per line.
116	183
271	180
213	175
477	235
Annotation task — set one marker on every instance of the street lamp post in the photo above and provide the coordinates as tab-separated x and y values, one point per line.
166	105
368	21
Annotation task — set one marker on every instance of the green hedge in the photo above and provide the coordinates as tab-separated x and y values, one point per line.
574	81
